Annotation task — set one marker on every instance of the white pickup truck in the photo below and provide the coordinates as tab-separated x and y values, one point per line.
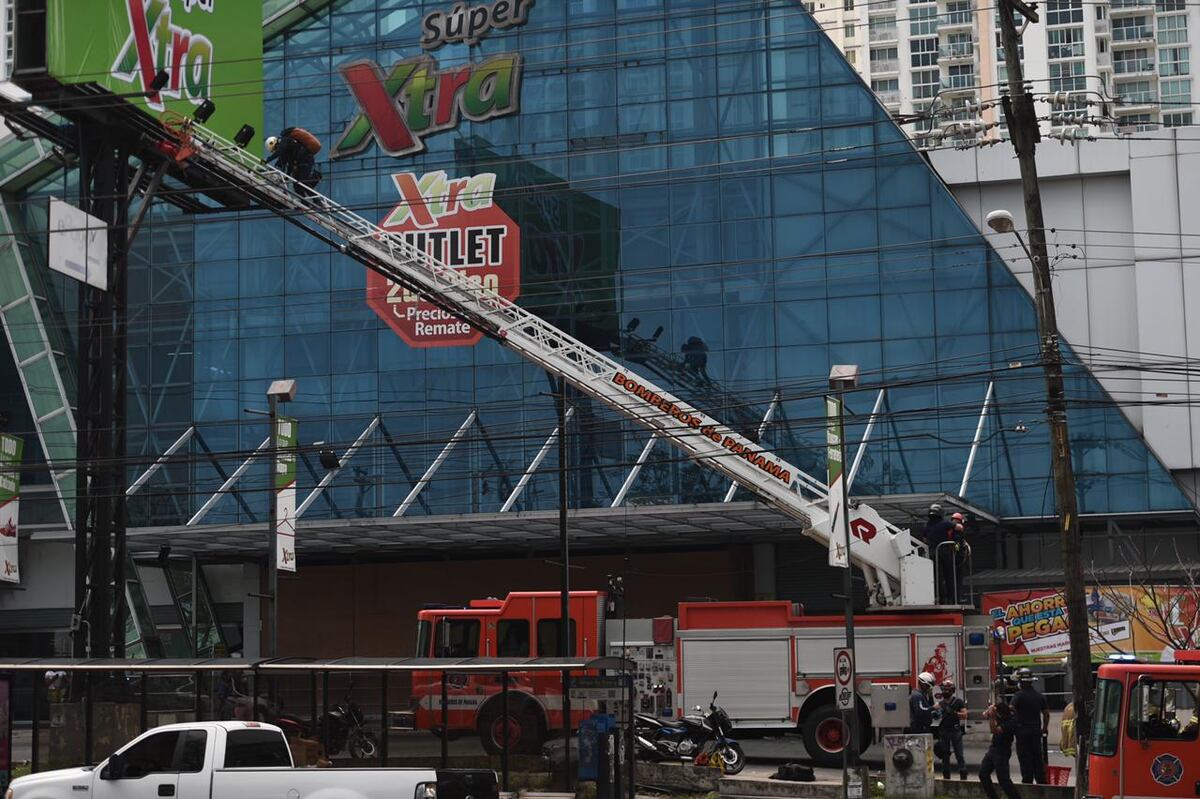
240	760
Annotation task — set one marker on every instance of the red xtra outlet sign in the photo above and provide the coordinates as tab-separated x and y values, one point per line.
456	221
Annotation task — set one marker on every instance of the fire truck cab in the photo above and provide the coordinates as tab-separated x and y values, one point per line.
523	625
1145	738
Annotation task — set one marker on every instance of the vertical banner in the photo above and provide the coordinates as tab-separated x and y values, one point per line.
838	556
10	498
6	733
285	494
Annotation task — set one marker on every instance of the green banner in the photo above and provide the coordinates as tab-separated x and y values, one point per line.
210	49
833	438
11	449
285	493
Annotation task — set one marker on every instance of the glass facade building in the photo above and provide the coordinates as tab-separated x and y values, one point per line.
704	188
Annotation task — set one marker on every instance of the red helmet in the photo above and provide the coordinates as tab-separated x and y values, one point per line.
958	517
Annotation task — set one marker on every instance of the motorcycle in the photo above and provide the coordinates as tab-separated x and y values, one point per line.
345	726
702	738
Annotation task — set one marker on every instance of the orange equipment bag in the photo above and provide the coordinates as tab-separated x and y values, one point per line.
310	142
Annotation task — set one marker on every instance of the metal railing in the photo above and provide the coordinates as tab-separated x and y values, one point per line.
1132	33
885	65
957	50
884	33
1132	66
955	588
954	82
889	97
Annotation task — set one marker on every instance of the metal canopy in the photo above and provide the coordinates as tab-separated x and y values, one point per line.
909	510
480	533
178	665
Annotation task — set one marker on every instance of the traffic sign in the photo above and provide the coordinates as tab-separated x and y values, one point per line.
843	677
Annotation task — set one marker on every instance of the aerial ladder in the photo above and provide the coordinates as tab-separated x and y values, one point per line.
895	565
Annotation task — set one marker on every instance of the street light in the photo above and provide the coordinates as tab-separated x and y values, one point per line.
279	391
1001	221
844	378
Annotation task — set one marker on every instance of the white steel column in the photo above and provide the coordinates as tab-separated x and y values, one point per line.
862	445
533	465
633	473
137	484
332	473
987	406
762	428
229	483
437	464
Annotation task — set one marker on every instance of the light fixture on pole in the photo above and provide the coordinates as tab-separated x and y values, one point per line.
842	379
279	391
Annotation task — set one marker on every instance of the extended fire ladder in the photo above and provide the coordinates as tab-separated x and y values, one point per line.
896	566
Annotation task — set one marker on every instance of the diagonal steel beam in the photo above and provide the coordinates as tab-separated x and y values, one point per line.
229	483
332	473
862	445
633	473
145	476
437	464
762	428
983	414
533	465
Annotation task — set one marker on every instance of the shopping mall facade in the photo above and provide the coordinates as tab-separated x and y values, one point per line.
704	189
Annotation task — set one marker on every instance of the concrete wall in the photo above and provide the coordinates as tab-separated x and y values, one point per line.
369	609
1123	219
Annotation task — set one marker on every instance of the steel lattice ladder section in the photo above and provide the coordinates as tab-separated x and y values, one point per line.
891	561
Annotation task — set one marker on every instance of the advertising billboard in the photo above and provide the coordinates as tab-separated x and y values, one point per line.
10	501
457	221
210	50
1125	620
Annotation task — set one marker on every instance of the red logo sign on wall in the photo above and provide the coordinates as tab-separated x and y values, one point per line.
456	221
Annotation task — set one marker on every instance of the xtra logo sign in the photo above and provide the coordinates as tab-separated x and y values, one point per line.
415	99
456	221
156	43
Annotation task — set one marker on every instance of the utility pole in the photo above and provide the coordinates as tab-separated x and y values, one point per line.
1023	130
564	630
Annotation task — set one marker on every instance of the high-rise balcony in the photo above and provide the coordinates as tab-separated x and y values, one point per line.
957	51
884	33
1133	66
956	20
1129	34
890	97
888	7
956	84
883	65
1119	8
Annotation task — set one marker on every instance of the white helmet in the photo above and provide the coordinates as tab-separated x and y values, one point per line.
926	679
271	142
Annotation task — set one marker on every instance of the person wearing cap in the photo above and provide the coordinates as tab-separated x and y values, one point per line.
1033	722
920	705
952	712
1003	725
951	560
935	528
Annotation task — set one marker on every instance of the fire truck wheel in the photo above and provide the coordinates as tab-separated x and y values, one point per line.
825	736
525	729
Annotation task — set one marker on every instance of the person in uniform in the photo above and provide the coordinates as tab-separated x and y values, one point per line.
952	712
1033	722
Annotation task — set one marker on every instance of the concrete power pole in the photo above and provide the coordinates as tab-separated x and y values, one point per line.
1023	130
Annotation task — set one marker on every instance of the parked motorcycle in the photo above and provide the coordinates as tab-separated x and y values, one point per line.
345	726
700	737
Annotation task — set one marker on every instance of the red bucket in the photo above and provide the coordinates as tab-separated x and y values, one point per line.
1058	775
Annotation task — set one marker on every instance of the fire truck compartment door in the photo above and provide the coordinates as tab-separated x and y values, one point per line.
874	655
752	676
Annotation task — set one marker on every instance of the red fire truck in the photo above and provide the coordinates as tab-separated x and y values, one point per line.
522	625
1146	733
771	663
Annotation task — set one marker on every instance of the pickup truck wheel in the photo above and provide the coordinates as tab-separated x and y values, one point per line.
524	729
825	736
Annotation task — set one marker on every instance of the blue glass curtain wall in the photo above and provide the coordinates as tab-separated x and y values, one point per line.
707	190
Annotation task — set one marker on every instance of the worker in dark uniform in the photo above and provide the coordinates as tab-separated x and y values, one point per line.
952	712
920	705
935	528
1003	724
293	150
1033	722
